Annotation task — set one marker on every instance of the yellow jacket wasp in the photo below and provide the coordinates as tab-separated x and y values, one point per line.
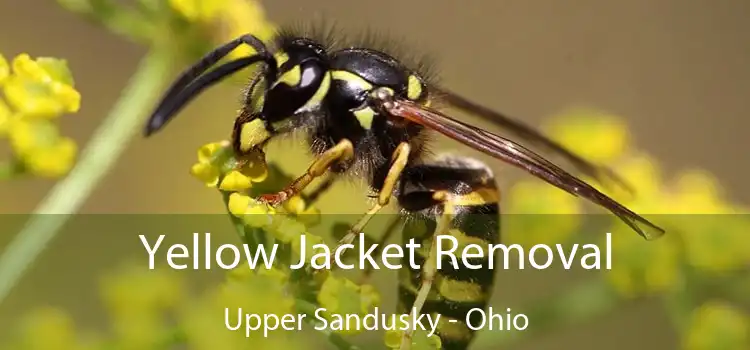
367	114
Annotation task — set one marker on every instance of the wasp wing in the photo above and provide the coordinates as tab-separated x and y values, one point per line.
519	156
531	135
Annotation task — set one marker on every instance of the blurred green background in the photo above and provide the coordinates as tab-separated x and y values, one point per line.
676	71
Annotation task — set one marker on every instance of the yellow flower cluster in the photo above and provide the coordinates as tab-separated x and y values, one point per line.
704	231
706	234
153	309
36	93
51	329
716	325
231	18
263	292
340	296
421	340
701	233
138	300
215	161
534	208
217	167
543	214
595	135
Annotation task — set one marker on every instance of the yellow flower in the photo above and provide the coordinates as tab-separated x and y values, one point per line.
716	325
697	192
714	234
49	329
700	229
232	18
6	116
235	181
297	206
643	267
38	144
240	17
695	211
277	276
215	161
206	173
204	328
37	91
287	229
722	248
53	161
135	286
238	204
294	205
420	340
252	212
340	296
262	293
595	135
209	151
198	10
540	214
26	135
211	156
239	273
644	174
4	69
650	197
537	197
137	299
41	88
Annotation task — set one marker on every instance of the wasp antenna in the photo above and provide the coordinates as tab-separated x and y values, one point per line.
177	96
170	107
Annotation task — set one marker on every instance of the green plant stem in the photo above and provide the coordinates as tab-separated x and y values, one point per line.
103	150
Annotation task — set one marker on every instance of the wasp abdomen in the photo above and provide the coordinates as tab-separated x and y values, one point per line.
461	192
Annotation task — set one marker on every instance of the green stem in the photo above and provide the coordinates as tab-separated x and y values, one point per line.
103	150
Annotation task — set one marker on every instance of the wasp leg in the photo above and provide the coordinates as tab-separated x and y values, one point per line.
429	269
341	152
398	163
312	197
453	202
389	231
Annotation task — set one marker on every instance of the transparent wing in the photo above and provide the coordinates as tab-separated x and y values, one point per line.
519	156
529	134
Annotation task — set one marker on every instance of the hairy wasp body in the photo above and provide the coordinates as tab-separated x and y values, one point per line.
325	95
367	114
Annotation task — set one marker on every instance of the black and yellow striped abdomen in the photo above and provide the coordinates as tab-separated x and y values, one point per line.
456	290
